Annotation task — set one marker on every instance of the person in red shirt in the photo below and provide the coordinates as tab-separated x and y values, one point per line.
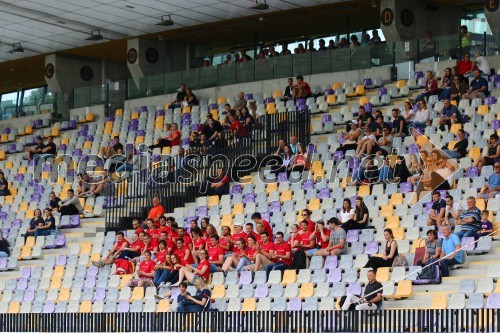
156	211
337	244
149	244
220	185
243	256
431	87
113	253
164	226
301	89
322	238
294	234
264	255
152	230
238	130
183	252
215	254
181	232
307	240
204	223
198	242
465	66
174	139
146	272
136	226
257	218
193	224
163	264
134	248
306	215
249	232
238	233
226	241
282	255
191	272
169	245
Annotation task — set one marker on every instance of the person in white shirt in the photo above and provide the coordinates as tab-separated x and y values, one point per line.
362	144
346	212
421	117
482	64
452	211
408	112
71	205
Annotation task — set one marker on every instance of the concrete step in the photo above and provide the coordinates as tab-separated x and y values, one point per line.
8	275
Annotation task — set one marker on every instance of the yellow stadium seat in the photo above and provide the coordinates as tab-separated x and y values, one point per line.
2	155
22	170
497	287
345	181
86	307
421	139
107	130
249	304
290	276
271	187
364	190
221	100
23	206
317	165
186	109
87	145
399	233
403	290
400	84
360	90
135	115
137	294
213	200
64	141
454	102
306	290
474	153
85	248
56	282
336	85
214	114
271	108
125	280
166	150
238	208
482	110
25	252
331	99
286	196
364	100
455	127
396	199
63	294
4	137
118	112
163	306
54	132
227	220
139	139
94	257
246	179
318	175
28	130
14	307
452	144
9	199
219	291
89	117
481	204
383	274
277	93
314	204
386	210
392	222
9	165
439	301
13	190
58	271
30	241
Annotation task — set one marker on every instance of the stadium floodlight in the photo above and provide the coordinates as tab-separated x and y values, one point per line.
94	35
166	22
16	48
260	5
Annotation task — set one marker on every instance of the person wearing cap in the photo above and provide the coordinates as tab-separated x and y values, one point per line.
351	137
337	244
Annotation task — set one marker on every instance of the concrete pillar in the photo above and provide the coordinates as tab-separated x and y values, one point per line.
492	13
145	57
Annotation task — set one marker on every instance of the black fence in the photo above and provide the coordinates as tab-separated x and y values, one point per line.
465	320
239	155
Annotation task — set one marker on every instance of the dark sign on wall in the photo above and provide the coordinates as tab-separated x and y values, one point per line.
86	73
49	70
491	5
132	56
407	17
151	55
387	17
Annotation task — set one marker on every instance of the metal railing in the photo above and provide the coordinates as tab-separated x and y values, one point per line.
402	320
239	156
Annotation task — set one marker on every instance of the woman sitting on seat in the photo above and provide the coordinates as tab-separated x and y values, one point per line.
200	301
49	224
243	256
390	252
361	216
300	162
432	247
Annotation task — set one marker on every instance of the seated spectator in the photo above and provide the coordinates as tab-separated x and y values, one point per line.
492	155
431	87
390	252
85	185
449	115
257	218
362	116
192	272
198	242
48	225
436	215
470	220
458	89
4	185
177	102
367	140
243	255
444	89
181	298
399	126
386	173
173	276
346	213
293	236
372	295
145	272
465	66
50	148
452	212
244	56
306	215
282	255
367	172
237	129
451	250
306	239
190	98
101	185
71	205
53	201
4	247
486	225
459	150
478	87
492	187
220	185
300	161
247	119
336	244
482	64
111	149
408	113
361	216
401	172
36	221
433	246
441	178
241	102
38	149
183	252
378	128
322	45
117	160
350	138
421	117
294	144
163	265
113	253
264	255
384	143
174	139
156	211
200	301
301	89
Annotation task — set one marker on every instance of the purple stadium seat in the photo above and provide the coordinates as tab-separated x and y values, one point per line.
495	125
472	172
418	75
90	138
38	123
92	271
141	133
245	277
295	304
74	221
329	92
489	100
300	101
338	154
3	262
308	185
6	131
405	187
324	193
185	142
371	248
248	96
213	106
26	272
331	262
275	207
48	307
63	147
354	288
123	306
269	100
415	107
22	283
143	109
495	78
29	295
413	149
382	91
367	82
72	124
468	243
110	118
326	119
160	113
60	241
261	291
195	127
352	236
334	275
12	148
186	116
202	211
89	281
368	107
99	294
493	301
302	108
427	208
249	197
236	189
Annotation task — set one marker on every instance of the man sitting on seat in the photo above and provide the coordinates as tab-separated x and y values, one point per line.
71	205
241	102
288	90
436	215
50	148
470	219
220	185
450	249
38	149
301	89
492	188
478	87
156	211
112	149
113	253
372	296
449	115
337	244
176	103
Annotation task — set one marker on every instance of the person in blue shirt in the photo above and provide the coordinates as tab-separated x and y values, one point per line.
478	87
450	252
492	187
449	115
470	219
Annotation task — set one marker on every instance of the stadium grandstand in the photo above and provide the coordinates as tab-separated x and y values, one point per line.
249	165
